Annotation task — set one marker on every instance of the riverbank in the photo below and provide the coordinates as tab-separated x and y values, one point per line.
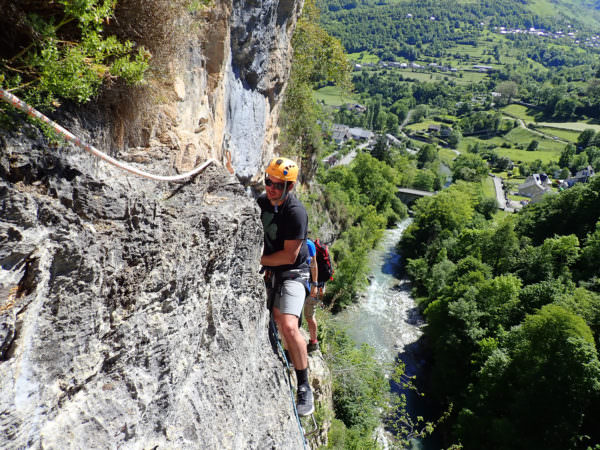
387	318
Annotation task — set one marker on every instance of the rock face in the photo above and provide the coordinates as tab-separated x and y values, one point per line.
221	85
132	313
135	315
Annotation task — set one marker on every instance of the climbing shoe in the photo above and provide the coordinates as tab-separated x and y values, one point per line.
304	403
312	347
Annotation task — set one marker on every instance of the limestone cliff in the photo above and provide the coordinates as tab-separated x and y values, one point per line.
132	313
217	85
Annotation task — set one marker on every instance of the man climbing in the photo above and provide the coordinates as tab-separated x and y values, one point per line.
312	300
285	255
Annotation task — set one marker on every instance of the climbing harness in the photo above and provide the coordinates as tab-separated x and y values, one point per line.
288	367
19	104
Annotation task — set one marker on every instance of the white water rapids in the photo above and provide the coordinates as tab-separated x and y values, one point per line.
387	317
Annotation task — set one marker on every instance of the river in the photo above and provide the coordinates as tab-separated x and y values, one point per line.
387	318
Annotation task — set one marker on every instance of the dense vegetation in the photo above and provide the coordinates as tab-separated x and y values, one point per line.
61	51
318	58
512	303
513	307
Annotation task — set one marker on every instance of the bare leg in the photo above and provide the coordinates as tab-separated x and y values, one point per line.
296	345
312	328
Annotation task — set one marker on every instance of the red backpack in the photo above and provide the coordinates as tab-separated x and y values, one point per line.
323	262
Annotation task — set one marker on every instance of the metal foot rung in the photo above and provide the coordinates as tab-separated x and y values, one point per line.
315	427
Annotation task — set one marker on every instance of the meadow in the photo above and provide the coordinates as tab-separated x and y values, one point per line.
574	126
561	133
334	96
520	112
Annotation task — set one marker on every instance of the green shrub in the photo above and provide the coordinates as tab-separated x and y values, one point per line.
61	51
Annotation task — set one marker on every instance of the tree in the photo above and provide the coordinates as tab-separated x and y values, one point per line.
565	108
555	368
380	149
566	156
427	154
585	138
469	167
552	368
424	180
454	138
391	124
590	254
419	113
579	162
449	210
60	50
504	163
508	90
533	145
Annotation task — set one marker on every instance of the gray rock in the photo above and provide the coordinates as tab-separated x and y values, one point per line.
139	318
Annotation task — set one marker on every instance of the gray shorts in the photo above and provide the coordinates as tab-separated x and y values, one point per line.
290	298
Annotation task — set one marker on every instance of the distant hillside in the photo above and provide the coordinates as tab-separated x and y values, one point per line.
585	11
414	30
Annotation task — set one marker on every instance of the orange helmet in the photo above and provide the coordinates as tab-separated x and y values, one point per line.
283	168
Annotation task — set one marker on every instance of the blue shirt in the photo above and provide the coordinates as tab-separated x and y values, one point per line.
312	251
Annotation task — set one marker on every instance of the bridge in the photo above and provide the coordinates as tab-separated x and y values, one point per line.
408	196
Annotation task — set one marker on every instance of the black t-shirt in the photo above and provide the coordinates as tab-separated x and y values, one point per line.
290	222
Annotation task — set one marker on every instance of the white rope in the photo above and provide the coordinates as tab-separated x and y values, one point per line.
19	104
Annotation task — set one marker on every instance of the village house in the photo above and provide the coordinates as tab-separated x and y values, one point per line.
340	133
392	140
330	160
581	176
535	184
356	107
360	134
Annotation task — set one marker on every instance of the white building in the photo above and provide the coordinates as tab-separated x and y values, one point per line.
534	185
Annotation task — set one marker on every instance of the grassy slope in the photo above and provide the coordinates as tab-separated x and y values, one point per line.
332	95
581	10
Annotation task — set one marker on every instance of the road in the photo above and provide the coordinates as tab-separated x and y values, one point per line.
500	197
347	159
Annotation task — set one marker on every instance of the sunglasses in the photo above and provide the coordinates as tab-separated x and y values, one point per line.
278	186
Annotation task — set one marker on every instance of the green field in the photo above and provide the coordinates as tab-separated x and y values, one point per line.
487	186
518	156
548	150
568	8
519	112
523	136
542	7
332	96
471	77
566	135
518	198
447	155
408	74
363	58
574	126
423	125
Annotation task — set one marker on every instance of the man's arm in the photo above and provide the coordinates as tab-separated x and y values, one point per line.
283	257
314	272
